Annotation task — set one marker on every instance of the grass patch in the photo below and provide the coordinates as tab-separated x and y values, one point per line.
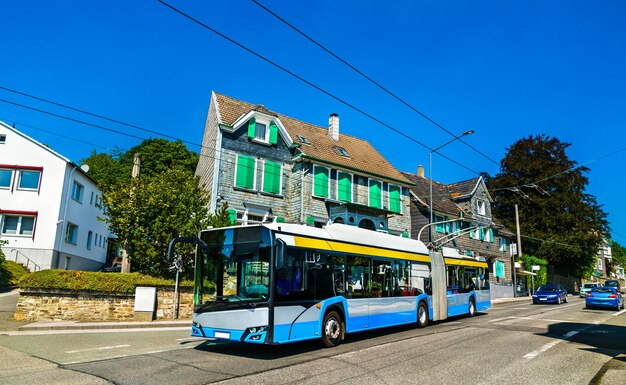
75	280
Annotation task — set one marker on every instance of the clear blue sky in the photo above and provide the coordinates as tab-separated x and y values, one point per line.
504	69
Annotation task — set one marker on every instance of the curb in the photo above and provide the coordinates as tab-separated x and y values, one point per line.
70	325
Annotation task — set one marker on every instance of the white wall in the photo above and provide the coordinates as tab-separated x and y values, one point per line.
49	203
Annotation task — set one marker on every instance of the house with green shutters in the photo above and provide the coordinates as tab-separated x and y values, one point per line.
271	167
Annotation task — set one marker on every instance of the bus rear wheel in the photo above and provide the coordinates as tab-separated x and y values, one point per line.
332	329
472	308
422	315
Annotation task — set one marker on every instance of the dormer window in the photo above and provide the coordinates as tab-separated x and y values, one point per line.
342	151
481	207
303	140
3	139
262	131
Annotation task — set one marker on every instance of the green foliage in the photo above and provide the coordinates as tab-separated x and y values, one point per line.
542	274
159	155
148	213
2	257
618	253
92	281
559	220
105	169
10	273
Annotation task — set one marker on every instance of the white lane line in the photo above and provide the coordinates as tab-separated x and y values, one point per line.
191	339
549	345
619	312
95	349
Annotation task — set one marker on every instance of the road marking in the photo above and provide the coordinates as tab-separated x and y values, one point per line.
619	312
90	331
191	339
95	349
549	345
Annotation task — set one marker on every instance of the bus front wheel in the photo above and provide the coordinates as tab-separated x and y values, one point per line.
332	329
472	307
422	315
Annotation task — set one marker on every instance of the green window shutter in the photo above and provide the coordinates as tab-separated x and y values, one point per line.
473	234
499	269
490	235
459	224
438	227
273	133
310	221
376	194
320	182
448	225
280	220
251	128
481	233
245	172
405	234
271	177
344	186
232	216
394	199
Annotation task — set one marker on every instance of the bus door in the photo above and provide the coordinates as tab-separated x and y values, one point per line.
358	291
439	299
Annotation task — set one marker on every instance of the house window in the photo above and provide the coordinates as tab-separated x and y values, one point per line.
303	140
6	176
29	180
481	207
440	226
344	186
77	192
3	139
490	235
395	202
71	233
321	175
91	199
262	131
18	225
375	194
245	172
272	177
599	264
89	239
503	244
342	151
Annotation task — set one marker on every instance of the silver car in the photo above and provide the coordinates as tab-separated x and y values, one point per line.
587	287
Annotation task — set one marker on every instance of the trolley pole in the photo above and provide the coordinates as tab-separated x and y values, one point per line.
519	251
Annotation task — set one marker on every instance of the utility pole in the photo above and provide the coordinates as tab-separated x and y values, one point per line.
135	175
519	250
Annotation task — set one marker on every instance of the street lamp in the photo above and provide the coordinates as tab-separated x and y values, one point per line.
430	174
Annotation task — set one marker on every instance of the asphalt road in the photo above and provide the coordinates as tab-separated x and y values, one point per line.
513	343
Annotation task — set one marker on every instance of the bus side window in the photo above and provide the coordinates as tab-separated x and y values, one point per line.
357	275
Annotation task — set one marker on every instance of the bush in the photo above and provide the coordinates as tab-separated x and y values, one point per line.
10	273
93	281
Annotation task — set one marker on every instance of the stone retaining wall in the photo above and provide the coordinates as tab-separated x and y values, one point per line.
62	305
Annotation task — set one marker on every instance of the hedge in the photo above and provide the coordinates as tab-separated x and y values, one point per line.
10	273
75	280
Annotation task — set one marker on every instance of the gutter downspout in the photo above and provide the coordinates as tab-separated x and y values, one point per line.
302	194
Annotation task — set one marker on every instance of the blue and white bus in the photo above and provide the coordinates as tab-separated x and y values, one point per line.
277	283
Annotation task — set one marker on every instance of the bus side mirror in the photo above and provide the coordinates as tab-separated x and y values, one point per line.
280	250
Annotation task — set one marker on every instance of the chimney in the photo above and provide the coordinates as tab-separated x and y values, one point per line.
420	171
333	127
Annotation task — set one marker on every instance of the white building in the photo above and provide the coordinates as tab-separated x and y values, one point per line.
49	207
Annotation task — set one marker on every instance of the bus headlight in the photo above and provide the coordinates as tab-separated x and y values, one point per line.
257	329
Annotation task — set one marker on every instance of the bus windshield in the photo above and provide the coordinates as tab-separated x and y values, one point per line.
234	268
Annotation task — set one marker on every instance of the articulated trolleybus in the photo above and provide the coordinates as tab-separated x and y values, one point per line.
277	283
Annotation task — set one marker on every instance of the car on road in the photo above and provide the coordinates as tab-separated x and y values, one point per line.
604	296
550	293
586	288
613	283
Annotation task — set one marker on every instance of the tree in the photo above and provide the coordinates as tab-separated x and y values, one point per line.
104	168
148	213
618	252
559	221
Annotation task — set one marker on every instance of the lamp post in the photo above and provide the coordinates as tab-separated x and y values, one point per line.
430	174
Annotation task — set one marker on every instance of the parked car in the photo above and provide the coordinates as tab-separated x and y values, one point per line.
613	283
586	288
604	296
550	293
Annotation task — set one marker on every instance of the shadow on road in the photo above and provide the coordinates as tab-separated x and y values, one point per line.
602	338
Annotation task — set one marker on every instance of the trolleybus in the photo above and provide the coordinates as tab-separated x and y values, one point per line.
277	283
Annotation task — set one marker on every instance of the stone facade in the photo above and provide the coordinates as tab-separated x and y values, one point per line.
63	305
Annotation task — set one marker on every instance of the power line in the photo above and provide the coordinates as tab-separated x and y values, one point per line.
398	98
342	101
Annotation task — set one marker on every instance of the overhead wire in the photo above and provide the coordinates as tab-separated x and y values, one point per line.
322	90
371	80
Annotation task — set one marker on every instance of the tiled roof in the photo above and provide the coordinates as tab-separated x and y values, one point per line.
463	188
362	156
442	201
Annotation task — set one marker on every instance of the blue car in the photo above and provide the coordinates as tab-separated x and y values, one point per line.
550	293
604	296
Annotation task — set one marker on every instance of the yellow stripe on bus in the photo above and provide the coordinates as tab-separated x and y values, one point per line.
320	244
464	262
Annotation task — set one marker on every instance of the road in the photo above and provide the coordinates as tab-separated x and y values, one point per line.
513	343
